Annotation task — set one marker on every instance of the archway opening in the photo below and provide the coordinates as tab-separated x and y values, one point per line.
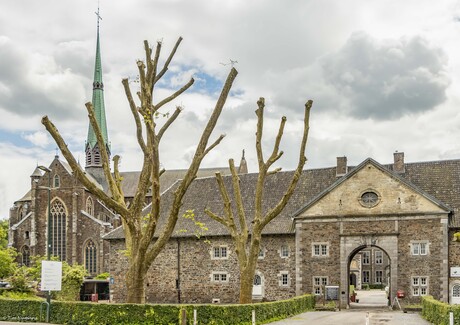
369	276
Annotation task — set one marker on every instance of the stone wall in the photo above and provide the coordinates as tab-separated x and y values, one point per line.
197	267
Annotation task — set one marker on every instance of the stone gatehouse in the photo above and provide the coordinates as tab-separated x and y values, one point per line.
407	210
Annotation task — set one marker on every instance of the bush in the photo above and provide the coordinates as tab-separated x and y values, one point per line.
89	313
437	312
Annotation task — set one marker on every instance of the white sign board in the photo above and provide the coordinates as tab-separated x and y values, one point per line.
51	276
455	272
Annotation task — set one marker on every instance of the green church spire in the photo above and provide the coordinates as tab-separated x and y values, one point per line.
92	151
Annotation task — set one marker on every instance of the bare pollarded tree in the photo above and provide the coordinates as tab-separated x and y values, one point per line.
144	239
246	232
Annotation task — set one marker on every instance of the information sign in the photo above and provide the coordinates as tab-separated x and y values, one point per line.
51	276
332	292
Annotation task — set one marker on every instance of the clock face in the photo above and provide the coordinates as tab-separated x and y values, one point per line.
369	199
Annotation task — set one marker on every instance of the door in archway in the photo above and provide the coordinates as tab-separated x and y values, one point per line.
455	294
257	287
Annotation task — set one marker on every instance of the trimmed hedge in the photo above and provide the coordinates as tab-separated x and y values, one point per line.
77	313
437	312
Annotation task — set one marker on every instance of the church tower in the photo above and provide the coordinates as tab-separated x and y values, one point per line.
93	152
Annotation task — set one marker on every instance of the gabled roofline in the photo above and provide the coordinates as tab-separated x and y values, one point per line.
14	227
86	214
382	169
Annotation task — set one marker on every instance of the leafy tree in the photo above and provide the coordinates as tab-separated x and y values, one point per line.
144	239
246	237
21	280
72	279
3	234
7	262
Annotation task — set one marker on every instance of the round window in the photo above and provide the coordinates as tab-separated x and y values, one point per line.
369	199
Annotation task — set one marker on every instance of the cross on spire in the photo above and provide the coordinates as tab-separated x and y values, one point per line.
98	15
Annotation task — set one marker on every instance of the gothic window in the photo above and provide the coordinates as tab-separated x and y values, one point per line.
283	279
378	276
26	235
90	206
58	230
25	256
57	181
91	257
366	276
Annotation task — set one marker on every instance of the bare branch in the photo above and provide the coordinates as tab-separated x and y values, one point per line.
239	201
132	105
78	172
259	131
116	173
170	120
104	154
171	55
191	173
275	156
177	93
295	178
277	170
215	217
216	143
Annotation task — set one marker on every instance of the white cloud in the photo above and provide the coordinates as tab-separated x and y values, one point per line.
386	89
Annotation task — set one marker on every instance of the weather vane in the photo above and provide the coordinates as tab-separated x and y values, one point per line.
232	63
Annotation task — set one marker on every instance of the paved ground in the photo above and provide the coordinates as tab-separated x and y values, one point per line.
372	309
355	317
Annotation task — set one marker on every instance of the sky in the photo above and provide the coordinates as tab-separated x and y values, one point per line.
383	77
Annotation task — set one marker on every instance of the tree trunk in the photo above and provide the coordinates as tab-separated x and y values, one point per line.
246	283
135	283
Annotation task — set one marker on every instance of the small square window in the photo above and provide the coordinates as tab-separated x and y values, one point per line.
284	279
319	249
219	252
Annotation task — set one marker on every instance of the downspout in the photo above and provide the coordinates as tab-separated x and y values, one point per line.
178	271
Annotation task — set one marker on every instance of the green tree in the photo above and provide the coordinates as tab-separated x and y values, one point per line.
3	234
72	279
7	262
144	240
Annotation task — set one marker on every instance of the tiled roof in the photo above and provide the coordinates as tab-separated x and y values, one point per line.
130	179
439	179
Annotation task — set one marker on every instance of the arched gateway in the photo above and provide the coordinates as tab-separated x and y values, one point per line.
351	245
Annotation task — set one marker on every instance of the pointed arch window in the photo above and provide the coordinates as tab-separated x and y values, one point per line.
56	181
58	229
91	257
25	252
90	206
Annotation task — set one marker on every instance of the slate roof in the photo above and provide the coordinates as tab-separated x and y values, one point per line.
130	179
439	179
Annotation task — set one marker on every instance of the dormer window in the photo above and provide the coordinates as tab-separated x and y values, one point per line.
56	181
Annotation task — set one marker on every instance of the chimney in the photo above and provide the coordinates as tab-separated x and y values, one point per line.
342	167
398	165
